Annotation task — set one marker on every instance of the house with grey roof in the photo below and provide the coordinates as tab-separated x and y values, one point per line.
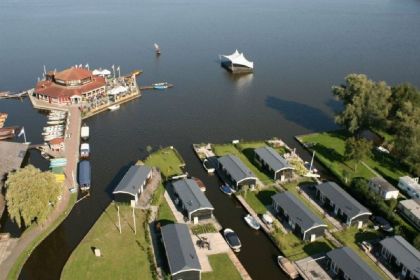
236	172
273	163
337	201
344	263
194	204
410	209
383	188
180	252
403	258
132	184
410	185
297	216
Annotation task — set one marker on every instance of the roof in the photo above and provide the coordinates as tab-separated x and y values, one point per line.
11	156
404	252
179	248
73	74
54	90
236	168
412	205
352	265
191	196
297	212
57	141
383	184
133	180
411	182
272	158
239	59
350	206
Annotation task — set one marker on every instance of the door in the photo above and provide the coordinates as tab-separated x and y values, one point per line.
313	237
359	224
195	220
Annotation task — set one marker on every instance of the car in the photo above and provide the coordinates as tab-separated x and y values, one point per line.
383	224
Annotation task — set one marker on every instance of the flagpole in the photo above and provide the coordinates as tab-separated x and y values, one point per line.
119	220
134	219
24	136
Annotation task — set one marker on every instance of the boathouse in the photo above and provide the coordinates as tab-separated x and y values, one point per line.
343	263
341	204
180	252
383	188
297	216
403	258
273	163
71	86
235	171
132	184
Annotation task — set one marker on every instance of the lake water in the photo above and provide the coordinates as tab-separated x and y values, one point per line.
300	49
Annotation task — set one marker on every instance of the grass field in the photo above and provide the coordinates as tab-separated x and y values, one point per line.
259	200
168	161
124	256
223	268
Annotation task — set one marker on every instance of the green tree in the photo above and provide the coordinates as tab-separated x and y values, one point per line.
416	242
366	103
357	150
31	195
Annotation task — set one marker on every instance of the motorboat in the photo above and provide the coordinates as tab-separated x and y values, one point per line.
226	189
288	267
232	239
162	85
114	107
84	132
207	166
55	122
252	222
84	150
7	132
266	218
84	175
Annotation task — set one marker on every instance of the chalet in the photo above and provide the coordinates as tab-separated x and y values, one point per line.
402	257
302	221
410	208
343	205
269	160
132	184
180	252
236	172
383	188
192	200
343	263
410	185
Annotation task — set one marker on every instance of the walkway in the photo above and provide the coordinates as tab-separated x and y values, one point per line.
149	189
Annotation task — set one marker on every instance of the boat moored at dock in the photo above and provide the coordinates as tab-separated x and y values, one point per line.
252	222
84	150
226	189
84	132
114	107
162	85
288	267
232	239
84	175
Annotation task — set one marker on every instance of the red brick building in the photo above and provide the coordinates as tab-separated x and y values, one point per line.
71	86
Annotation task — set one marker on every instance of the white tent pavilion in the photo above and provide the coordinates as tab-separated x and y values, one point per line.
118	90
238	59
101	72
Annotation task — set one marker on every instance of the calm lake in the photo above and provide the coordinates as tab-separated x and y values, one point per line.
300	49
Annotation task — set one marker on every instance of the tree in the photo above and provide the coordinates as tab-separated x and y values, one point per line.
31	195
416	242
357	150
366	103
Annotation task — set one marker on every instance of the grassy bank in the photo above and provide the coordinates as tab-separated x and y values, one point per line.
223	268
168	160
124	256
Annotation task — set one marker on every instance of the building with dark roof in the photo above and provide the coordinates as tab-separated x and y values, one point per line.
410	208
72	85
192	200
132	184
273	163
343	205
236	172
180	252
403	258
383	188
294	213
346	264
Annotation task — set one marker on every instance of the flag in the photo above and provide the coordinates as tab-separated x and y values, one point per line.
118	68
22	131
87	65
80	65
113	67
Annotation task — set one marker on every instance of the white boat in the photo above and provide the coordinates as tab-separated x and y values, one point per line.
252	222
55	122
288	267
266	218
84	150
232	240
114	107
84	132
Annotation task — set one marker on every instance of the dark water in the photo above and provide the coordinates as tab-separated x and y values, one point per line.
300	49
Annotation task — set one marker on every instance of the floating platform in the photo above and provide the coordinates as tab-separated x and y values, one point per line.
236	69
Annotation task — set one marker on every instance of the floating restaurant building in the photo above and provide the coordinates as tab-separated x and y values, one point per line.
236	63
70	86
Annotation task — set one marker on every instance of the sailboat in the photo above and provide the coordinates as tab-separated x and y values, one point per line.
157	49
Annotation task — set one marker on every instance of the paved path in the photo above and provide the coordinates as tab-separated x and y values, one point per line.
217	246
178	215
150	188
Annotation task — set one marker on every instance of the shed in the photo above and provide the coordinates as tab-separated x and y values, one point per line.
273	163
236	172
132	184
192	200
180	252
293	212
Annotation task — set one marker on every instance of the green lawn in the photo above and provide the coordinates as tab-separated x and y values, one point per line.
258	199
124	256
223	268
165	214
352	236
168	160
245	156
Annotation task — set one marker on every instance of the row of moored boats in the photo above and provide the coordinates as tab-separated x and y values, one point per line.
84	169
56	125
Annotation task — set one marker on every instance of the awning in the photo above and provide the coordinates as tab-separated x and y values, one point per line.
118	90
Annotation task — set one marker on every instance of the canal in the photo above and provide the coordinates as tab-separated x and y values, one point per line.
300	49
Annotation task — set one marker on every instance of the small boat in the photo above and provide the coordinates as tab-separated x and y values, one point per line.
266	218
157	49
207	166
114	107
288	267
226	189
163	85
252	222
55	122
200	184
84	150
84	175
7	132
232	240
84	132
